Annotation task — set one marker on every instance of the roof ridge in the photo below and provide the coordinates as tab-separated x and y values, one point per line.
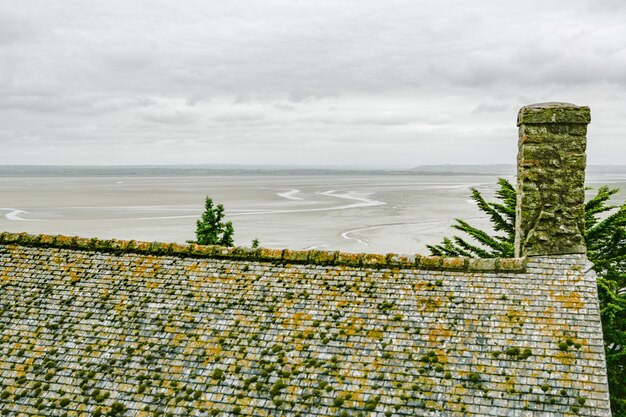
313	257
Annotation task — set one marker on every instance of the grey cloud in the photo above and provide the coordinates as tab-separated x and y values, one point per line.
194	99
236	116
79	103
284	107
240	99
251	73
16	26
368	117
491	107
168	116
34	103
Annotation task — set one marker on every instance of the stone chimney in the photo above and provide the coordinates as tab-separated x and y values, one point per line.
551	179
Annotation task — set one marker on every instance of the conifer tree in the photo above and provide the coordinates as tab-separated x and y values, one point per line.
211	228
502	216
605	237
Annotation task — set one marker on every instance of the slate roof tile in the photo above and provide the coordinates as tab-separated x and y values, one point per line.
152	329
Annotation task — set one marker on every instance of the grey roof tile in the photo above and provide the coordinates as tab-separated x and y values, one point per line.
191	328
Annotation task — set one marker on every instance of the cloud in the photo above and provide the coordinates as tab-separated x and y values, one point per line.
168	116
16	26
284	107
235	115
272	78
491	106
364	117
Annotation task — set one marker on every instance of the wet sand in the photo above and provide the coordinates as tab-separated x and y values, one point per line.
374	213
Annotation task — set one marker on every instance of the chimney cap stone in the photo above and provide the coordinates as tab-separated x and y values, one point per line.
553	112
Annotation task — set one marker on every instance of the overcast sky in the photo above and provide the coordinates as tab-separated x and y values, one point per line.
359	83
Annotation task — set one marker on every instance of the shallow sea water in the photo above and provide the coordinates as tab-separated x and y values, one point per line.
353	213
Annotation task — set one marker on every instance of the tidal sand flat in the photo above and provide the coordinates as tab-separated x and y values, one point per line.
354	213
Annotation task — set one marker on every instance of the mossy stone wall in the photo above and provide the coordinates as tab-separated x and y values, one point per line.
551	179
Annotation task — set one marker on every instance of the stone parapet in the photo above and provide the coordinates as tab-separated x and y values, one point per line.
313	257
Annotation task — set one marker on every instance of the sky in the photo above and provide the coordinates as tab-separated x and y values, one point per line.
368	83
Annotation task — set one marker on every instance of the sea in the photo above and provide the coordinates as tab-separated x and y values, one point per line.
347	211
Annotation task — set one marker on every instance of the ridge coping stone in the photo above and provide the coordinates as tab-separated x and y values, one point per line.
313	257
553	113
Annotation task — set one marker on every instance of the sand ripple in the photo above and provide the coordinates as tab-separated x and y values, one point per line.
14	214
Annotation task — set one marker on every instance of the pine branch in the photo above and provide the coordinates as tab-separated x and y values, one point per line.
472	250
446	248
493	211
479	235
596	205
603	229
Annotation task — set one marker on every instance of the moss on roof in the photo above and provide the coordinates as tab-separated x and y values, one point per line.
140	329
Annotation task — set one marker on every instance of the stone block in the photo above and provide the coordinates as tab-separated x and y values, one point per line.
320	257
374	260
400	261
349	259
245	253
431	262
511	264
295	255
46	239
454	263
482	264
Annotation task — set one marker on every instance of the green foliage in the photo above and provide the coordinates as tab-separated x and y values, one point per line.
211	228
502	216
255	243
606	248
605	237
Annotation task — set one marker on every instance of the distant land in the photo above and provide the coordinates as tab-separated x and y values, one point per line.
210	170
501	169
450	169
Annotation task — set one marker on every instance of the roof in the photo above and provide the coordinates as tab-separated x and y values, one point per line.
92	327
